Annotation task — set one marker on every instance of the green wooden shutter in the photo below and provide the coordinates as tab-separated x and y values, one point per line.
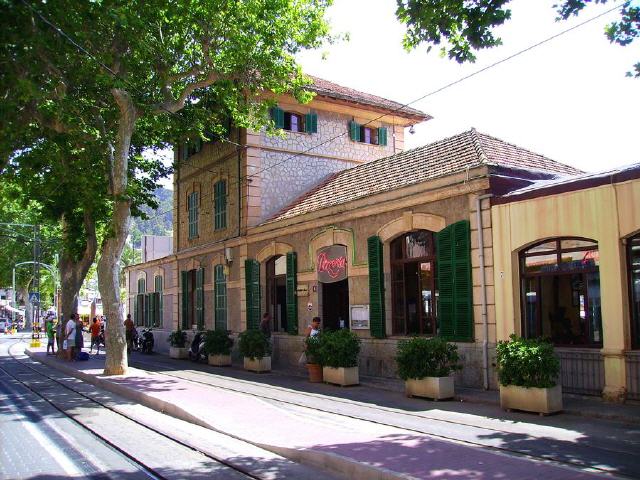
382	136
252	290
185	299
140	310
220	296
354	131
198	145
311	123
292	299
277	115
151	310
220	204
135	310
158	288
376	287
200	298
455	299
184	151
463	306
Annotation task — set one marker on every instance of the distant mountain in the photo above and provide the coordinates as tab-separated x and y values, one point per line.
160	221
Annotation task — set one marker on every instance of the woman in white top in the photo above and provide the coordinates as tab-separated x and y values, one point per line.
311	331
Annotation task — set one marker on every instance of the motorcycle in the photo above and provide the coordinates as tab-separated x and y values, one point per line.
145	341
196	351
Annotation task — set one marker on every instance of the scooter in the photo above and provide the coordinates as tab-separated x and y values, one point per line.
145	341
196	351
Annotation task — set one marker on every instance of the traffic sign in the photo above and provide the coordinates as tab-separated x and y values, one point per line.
34	297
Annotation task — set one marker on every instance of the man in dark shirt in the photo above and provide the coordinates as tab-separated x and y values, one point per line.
128	330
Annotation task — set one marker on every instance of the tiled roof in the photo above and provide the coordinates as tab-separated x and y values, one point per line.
454	154
333	90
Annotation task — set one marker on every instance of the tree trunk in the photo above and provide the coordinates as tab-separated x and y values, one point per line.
114	242
72	272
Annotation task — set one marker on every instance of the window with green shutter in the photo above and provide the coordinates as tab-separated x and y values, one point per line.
382	136
184	310
142	285
220	204
292	299
277	115
252	289
354	131
150	313
220	295
200	298
192	205
367	134
311	123
376	287
158	284
455	299
135	310
140	309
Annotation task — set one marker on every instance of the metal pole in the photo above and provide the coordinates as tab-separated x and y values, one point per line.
13	297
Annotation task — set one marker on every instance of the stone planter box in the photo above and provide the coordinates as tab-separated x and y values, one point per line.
341	376
539	400
258	365
175	352
220	360
436	388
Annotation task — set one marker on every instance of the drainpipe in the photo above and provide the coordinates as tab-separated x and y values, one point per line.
483	288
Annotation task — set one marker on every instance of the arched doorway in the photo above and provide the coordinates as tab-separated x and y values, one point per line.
331	268
276	273
413	283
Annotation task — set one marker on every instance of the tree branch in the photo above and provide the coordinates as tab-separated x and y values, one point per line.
173	106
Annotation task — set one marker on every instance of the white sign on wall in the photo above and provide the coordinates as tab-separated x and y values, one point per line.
359	317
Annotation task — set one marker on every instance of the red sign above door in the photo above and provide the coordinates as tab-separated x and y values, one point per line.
331	264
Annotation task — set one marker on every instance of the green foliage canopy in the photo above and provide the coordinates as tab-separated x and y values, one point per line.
426	357
465	26
527	362
339	348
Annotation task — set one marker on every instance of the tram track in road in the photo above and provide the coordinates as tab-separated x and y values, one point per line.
150	471
504	450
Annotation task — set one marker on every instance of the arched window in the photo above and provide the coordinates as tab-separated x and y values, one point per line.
633	256
220	297
560	289
413	283
277	292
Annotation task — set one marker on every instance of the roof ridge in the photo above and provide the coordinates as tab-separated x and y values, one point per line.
475	141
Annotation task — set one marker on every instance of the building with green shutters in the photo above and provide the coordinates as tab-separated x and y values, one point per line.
334	219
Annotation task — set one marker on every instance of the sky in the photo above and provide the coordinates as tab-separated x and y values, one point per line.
568	99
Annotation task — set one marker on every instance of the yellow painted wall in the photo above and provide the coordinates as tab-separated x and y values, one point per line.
606	214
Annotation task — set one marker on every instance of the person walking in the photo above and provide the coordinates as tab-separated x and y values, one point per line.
265	325
95	335
60	335
128	331
79	336
51	335
70	337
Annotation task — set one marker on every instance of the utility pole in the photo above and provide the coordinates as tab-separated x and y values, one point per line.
35	336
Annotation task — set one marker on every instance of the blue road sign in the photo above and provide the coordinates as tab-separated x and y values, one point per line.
34	297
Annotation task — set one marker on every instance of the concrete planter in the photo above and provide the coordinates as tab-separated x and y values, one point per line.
175	352
220	360
539	400
257	365
437	388
341	376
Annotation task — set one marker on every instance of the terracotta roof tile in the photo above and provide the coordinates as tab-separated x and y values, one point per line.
333	90
444	157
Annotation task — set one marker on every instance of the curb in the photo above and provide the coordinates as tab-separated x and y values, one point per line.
336	464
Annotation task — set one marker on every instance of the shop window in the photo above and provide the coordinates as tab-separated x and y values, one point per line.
560	289
413	284
220	297
220	205
370	135
293	121
192	205
276	270
633	256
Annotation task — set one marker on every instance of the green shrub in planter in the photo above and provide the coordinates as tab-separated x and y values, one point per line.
339	348
254	345
177	339
527	362
426	357
217	342
313	352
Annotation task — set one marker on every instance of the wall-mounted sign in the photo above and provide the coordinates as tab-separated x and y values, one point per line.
302	291
359	317
331	264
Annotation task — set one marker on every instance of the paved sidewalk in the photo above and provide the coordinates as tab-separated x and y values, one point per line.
282	422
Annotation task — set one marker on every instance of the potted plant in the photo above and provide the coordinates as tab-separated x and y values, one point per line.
426	365
256	350
314	360
528	372
339	352
177	344
217	345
